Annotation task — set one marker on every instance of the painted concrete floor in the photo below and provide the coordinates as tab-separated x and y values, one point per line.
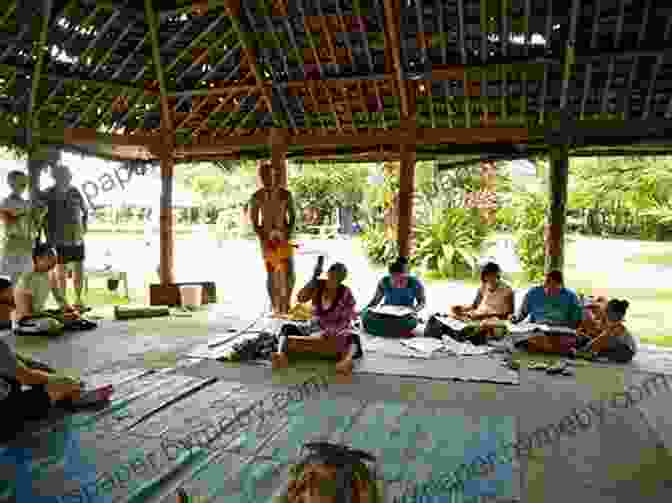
625	456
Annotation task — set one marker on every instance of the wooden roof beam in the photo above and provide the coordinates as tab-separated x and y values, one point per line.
374	139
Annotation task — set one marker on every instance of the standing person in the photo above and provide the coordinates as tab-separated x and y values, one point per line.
21	225
67	219
273	219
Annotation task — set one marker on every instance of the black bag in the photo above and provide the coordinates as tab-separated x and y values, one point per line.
436	329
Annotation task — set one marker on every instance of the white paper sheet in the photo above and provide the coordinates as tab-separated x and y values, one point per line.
526	328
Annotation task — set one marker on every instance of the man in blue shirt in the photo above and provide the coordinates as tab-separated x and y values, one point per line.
551	304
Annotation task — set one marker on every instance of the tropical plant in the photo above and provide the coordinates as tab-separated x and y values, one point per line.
326	188
450	242
378	248
531	209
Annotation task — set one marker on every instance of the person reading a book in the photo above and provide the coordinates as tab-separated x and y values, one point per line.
30	297
494	302
494	298
329	333
555	306
401	289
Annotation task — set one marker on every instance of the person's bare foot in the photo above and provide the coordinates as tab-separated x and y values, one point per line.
182	496
344	367
343	378
279	360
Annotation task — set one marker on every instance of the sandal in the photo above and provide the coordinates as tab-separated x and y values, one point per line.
82	325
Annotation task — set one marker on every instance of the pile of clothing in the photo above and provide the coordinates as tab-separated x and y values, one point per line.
260	347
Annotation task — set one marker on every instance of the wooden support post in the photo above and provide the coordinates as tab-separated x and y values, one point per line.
167	232
279	155
406	191
555	229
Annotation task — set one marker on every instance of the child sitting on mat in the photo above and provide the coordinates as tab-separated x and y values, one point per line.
610	337
30	296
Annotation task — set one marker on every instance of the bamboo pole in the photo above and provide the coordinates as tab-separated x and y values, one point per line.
37	157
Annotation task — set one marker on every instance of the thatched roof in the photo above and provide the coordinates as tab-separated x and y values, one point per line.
351	78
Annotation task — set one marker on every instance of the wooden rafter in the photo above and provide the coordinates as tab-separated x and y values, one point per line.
233	12
332	50
46	13
166	116
393	36
427	85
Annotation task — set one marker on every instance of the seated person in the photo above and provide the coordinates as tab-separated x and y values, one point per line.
609	336
30	296
494	298
551	304
494	302
329	332
397	289
46	388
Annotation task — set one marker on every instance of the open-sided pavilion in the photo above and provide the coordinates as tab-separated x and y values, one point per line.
394	80
397	80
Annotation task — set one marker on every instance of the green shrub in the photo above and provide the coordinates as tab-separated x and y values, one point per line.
531	209
450	244
378	248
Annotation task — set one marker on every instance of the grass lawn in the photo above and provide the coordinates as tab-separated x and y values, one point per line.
657	259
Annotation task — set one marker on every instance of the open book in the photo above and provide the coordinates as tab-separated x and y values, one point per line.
526	328
398	311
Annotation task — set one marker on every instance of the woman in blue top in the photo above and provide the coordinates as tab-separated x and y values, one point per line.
399	288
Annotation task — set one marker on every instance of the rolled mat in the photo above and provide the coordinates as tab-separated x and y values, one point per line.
131	313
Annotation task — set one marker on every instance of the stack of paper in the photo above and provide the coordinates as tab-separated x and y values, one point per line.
463	348
424	345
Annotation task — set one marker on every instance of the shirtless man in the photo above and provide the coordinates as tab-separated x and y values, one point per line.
273	218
